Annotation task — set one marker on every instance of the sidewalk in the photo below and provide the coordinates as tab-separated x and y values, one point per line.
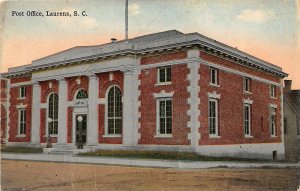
146	162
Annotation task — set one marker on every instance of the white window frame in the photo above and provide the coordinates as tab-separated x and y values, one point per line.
216	76
158	133
106	134
21	121
247	83
272	91
273	123
216	134
248	106
165	82
53	120
21	95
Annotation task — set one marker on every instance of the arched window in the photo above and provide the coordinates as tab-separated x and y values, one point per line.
114	111
53	113
82	94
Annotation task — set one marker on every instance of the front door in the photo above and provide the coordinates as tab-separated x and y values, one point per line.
81	134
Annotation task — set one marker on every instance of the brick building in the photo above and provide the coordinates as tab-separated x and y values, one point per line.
163	91
291	107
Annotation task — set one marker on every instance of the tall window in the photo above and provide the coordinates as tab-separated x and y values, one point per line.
214	76
53	113
165	116
213	117
273	91
82	94
22	121
247	119
164	74
247	84
22	92
114	111
273	121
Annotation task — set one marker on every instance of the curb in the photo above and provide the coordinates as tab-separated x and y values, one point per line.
156	163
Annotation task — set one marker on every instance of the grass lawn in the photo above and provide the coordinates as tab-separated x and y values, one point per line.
163	155
22	150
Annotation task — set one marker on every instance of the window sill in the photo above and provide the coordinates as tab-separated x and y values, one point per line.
54	135
214	136
21	136
163	136
274	136
246	92
273	97
248	136
163	83
112	136
215	85
21	98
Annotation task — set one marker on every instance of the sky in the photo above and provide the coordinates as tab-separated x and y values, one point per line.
267	29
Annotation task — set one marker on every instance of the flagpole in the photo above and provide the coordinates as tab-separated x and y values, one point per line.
126	20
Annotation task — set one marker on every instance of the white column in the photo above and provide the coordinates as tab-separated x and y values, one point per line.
130	99
194	100
35	114
92	130
62	112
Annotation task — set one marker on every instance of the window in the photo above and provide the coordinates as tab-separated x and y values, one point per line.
22	121
53	113
165	116
114	111
22	92
247	119
213	117
164	74
214	76
273	91
82	94
247	84
273	122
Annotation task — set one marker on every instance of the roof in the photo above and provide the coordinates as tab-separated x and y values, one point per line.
141	45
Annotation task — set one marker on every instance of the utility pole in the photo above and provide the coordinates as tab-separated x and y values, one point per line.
126	20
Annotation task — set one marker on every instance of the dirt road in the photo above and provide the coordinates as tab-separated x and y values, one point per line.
26	175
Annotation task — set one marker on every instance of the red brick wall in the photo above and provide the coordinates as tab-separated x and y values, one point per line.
231	107
46	90
69	125
235	66
73	86
163	58
19	79
13	115
3	90
104	85
179	85
3	123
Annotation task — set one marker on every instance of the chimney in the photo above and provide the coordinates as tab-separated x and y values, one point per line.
113	40
287	85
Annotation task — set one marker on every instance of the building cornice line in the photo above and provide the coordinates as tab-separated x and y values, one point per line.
186	42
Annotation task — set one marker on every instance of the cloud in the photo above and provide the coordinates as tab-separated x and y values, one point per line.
134	9
256	16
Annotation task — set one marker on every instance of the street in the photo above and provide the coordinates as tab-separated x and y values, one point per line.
27	175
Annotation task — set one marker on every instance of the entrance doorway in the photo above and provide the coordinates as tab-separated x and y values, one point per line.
83	128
